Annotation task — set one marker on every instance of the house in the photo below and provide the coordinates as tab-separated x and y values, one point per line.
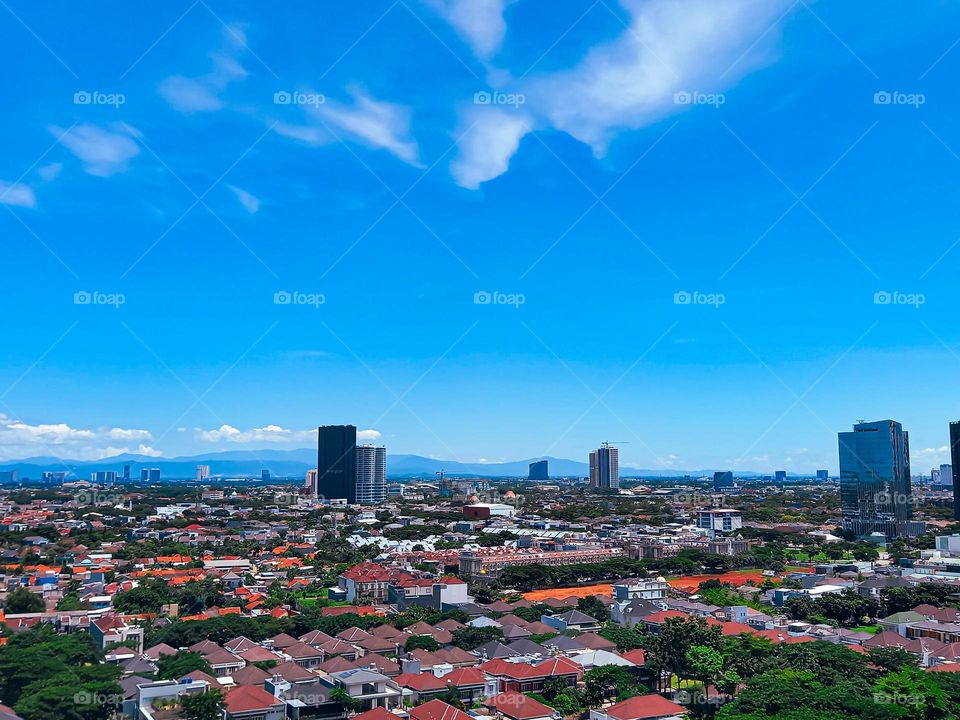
437	710
369	688
247	702
643	707
525	677
111	629
517	706
571	620
306	656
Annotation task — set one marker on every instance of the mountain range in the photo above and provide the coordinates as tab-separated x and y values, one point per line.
295	463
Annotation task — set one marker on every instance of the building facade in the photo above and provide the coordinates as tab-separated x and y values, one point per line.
875	490
955	466
605	468
337	462
371	485
539	471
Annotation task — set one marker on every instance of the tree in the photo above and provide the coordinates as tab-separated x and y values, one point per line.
706	664
892	658
202	706
914	693
468	638
344	699
22	600
666	651
422	641
171	667
594	607
610	681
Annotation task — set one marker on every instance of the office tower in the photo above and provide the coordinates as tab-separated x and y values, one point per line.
605	467
371	486
154	474
126	473
144	474
955	466
311	482
9	476
946	475
337	462
875	491
538	471
203	472
53	477
265	475
780	476
823	474
103	477
723	479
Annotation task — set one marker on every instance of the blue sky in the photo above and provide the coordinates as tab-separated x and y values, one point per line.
172	176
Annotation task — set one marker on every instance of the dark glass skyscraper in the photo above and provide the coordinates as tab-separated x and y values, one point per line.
337	462
538	471
722	479
875	491
955	463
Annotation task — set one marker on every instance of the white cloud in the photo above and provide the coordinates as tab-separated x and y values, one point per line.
929	457
670	46
202	94
267	433
19	439
103	152
479	22
250	202
377	123
17	194
51	171
486	148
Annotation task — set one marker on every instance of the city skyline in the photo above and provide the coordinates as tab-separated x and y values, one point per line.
208	220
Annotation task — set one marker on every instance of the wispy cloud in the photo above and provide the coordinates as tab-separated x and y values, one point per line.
377	123
103	152
670	47
272	434
17	194
203	93
479	22
250	202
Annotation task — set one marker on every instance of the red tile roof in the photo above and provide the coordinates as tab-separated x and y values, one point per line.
645	706
437	710
518	706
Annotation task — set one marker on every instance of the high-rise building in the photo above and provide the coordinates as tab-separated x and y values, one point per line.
265	475
311	482
154	475
538	471
126	473
605	467
103	477
337	462
371	487
780	476
722	479
203	472
144	474
955	466
946	475
823	474
49	476
875	491
9	476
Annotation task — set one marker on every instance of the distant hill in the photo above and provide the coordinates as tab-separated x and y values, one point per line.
295	463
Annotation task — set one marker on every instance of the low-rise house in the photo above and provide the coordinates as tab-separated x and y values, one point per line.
247	702
642	707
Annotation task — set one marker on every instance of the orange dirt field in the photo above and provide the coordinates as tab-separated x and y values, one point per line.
688	583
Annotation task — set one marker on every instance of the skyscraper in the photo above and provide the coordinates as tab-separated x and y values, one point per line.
337	462
605	468
875	491
823	474
154	474
722	479
955	463
144	474
311	481
780	476
203	472
371	486
126	473
538	471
